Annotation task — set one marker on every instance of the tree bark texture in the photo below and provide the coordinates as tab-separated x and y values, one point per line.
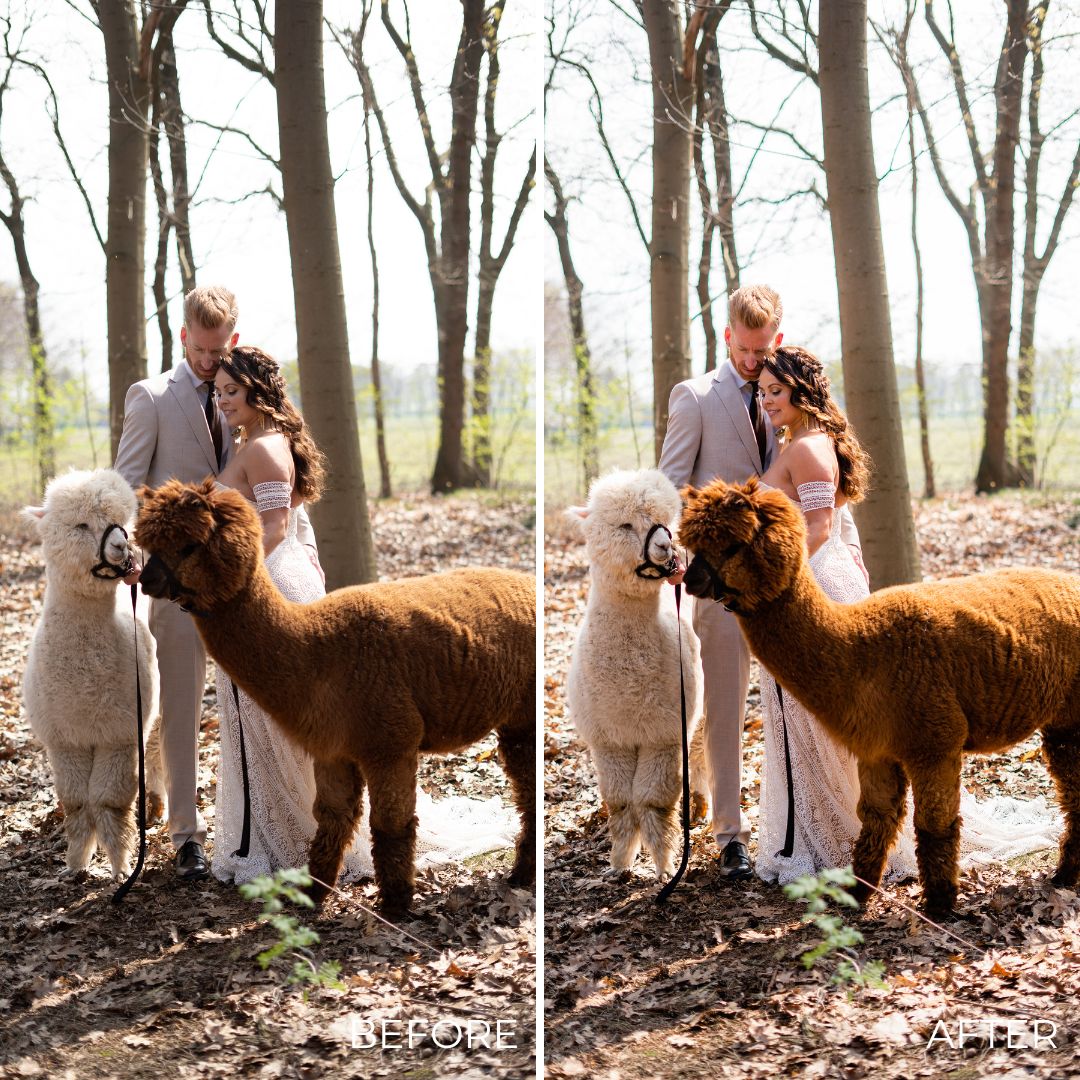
996	285
340	517
125	286
873	402
673	101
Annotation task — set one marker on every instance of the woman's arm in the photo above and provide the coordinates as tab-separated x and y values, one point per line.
814	463
269	475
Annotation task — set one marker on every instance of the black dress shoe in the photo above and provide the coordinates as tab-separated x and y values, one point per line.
191	864
735	861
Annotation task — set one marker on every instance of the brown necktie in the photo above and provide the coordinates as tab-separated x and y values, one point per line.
757	420
213	420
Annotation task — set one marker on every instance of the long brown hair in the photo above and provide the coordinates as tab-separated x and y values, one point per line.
801	370
259	374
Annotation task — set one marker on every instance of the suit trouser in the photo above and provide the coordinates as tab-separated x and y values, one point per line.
181	660
725	662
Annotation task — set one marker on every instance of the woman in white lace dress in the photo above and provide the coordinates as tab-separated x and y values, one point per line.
810	784
278	467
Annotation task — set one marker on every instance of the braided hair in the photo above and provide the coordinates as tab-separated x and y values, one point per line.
259	374
800	370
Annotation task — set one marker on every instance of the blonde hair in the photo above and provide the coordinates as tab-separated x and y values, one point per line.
211	307
755	306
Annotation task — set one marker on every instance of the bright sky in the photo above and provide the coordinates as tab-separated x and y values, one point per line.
245	244
789	245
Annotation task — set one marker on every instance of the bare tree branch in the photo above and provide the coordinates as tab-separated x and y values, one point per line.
256	62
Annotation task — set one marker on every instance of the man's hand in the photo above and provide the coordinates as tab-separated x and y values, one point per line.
856	554
313	555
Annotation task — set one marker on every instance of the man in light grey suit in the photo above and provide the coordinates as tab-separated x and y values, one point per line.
716	428
169	431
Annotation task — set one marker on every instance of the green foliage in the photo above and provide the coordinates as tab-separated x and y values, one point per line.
293	937
836	936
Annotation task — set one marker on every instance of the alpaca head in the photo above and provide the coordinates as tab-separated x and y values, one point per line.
82	523
753	539
623	508
204	543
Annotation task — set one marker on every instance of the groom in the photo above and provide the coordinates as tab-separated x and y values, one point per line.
173	429
717	428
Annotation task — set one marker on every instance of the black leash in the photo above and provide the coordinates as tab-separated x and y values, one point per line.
133	876
245	834
789	833
669	887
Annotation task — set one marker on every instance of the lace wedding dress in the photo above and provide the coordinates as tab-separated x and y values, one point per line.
282	780
825	779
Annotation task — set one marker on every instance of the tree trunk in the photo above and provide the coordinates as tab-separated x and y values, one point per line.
579	340
125	286
480	426
929	488
341	517
669	247
161	258
1025	380
376	373
886	525
452	271
995	470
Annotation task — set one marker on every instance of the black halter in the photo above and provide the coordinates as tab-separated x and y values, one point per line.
654	570
111	571
722	592
176	588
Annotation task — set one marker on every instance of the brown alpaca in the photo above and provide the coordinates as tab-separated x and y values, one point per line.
365	679
909	679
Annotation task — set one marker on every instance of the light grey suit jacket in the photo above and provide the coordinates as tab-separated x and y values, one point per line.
709	436
165	435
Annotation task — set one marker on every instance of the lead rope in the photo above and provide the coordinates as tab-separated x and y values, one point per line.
667	890
789	832
245	834
132	877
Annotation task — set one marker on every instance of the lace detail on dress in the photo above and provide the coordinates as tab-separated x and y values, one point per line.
272	495
826	780
816	495
282	779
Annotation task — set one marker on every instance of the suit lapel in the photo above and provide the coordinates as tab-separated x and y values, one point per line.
187	398
727	389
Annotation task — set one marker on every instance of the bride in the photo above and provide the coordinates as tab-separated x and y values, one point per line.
279	467
810	784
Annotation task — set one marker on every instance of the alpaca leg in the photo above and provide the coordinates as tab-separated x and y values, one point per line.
113	786
393	831
517	751
700	780
339	791
936	788
156	810
882	789
71	769
657	786
1063	759
615	769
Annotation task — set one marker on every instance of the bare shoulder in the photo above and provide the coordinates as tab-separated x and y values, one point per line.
268	457
812	458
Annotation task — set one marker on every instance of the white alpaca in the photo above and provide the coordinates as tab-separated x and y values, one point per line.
623	684
79	686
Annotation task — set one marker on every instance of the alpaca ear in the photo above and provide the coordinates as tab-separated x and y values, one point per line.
576	513
32	514
751	485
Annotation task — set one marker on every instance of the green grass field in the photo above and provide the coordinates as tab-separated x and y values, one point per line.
411	445
955	444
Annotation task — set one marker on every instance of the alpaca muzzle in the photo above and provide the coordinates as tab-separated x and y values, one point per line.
651	569
703	581
159	581
105	568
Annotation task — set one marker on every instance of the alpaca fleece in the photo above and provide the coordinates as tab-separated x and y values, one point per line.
622	687
365	679
910	679
79	685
